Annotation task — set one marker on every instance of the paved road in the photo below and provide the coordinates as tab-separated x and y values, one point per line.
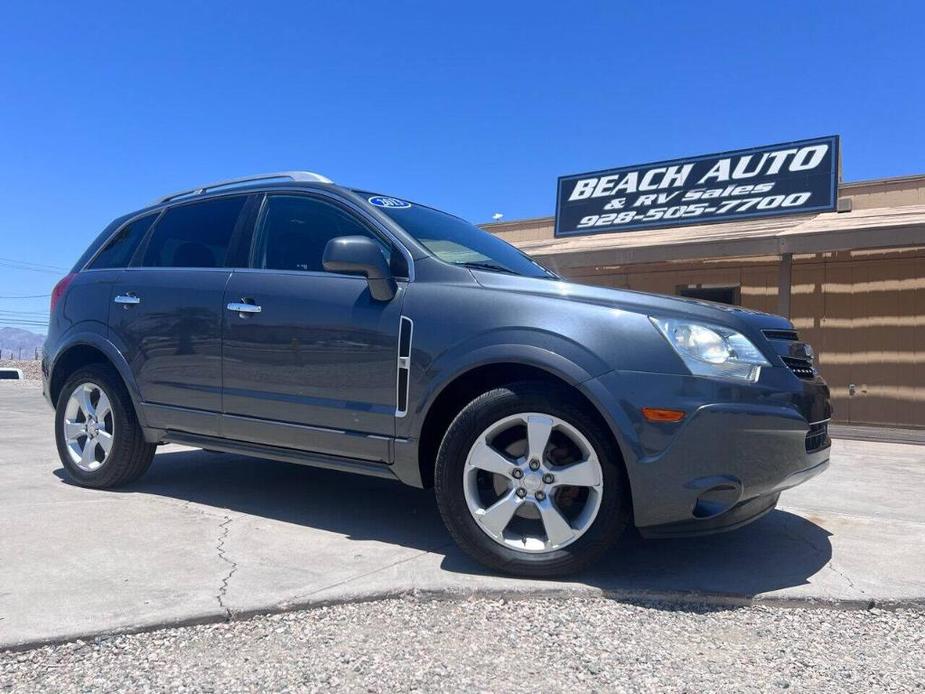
206	535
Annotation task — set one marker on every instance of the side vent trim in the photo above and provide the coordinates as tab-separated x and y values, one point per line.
403	377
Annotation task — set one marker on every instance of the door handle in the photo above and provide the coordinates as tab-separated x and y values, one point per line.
127	299
244	308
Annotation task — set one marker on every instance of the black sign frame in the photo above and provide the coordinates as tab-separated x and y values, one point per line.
827	204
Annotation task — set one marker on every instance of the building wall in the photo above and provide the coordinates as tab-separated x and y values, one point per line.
885	192
863	311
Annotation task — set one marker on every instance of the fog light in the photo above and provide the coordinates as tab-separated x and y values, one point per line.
657	414
717	500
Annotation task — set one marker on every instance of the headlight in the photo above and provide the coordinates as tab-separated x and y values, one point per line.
710	350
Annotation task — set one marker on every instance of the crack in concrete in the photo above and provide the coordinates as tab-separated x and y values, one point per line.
840	572
189	505
197	508
220	548
830	565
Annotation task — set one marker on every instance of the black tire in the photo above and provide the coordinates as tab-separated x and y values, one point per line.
490	407
130	455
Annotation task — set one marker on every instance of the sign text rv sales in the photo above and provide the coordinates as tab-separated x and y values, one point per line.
795	177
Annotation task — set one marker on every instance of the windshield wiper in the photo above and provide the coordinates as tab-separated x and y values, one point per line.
494	267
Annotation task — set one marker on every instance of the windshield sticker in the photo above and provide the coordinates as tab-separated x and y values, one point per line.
391	203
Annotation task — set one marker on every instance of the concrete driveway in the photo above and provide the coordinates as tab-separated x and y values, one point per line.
208	536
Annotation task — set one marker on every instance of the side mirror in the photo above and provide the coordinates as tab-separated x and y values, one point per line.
359	255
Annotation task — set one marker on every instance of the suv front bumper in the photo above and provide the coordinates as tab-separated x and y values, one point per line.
726	463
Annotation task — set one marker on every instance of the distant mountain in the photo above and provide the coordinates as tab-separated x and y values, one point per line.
14	341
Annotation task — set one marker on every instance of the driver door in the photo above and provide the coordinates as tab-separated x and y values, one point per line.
315	368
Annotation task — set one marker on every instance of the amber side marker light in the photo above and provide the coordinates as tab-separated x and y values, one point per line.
657	414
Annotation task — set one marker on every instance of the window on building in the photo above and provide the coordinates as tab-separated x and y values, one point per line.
194	235
295	230
722	295
121	247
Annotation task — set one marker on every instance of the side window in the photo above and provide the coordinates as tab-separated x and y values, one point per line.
194	235
121	247
295	230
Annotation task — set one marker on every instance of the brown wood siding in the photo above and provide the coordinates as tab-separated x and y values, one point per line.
863	312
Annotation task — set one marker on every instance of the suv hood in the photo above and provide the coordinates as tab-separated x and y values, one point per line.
734	317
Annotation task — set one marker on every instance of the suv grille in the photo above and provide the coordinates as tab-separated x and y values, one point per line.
818	436
801	367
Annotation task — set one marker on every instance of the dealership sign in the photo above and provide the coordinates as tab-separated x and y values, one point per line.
790	178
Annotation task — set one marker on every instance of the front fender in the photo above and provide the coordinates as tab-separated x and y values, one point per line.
556	355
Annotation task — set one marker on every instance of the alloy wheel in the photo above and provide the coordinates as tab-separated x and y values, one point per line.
88	427
533	482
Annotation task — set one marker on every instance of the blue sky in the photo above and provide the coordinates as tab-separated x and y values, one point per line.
474	107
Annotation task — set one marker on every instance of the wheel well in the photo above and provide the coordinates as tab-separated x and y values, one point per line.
74	358
463	390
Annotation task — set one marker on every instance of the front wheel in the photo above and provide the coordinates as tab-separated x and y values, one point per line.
529	482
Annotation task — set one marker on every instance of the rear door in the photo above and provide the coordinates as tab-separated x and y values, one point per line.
89	297
166	313
316	368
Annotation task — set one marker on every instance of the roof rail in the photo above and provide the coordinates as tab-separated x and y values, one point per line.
300	176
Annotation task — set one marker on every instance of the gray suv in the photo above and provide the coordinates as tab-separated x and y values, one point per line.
285	317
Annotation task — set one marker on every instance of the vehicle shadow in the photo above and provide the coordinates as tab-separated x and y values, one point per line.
781	550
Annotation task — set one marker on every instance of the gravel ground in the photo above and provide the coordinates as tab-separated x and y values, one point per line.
31	369
497	645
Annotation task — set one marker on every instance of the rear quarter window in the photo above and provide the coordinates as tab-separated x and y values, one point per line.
120	248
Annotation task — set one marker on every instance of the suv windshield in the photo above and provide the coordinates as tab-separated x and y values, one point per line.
455	240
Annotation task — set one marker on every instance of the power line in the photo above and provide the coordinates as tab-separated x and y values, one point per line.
14	264
27	296
30	263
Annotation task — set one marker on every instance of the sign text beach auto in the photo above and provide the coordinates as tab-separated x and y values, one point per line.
789	178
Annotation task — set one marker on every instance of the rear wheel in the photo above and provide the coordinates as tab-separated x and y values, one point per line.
529	482
100	442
